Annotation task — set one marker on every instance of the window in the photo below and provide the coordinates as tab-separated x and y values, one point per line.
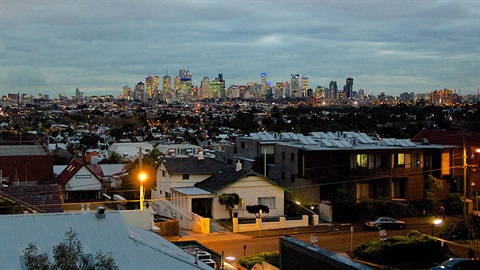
292	178
283	156
283	176
242	145
292	157
399	188
399	160
185	176
267	201
445	163
168	195
362	190
164	173
362	160
417	161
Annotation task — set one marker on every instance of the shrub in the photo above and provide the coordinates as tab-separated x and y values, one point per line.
415	247
249	261
454	204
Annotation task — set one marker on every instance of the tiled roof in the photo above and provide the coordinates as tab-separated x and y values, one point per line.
223	179
192	165
447	137
41	198
71	169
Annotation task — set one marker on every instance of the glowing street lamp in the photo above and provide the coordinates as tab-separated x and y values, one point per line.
142	177
437	223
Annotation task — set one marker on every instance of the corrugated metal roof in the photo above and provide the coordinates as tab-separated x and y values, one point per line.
131	248
191	191
22	150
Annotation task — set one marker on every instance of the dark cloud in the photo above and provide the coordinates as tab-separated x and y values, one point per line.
99	46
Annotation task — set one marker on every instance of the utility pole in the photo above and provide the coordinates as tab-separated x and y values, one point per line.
464	177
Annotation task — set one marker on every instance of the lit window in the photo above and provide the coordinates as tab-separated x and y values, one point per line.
267	201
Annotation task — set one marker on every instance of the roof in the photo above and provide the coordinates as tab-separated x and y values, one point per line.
23	150
71	169
131	248
192	165
447	137
41	198
226	177
191	191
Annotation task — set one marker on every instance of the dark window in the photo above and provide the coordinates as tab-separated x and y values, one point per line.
242	145
283	175
292	157
186	176
292	177
283	155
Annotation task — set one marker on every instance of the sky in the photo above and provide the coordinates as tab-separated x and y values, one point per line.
55	46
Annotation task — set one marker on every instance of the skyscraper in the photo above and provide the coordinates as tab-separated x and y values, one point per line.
139	91
222	85
304	86
348	88
333	90
263	78
205	88
167	87
149	87
294	85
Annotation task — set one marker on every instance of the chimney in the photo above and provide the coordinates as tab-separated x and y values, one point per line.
100	212
238	166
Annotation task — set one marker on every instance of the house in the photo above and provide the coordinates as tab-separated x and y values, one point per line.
130	150
183	172
251	187
37	198
132	245
21	164
79	183
188	189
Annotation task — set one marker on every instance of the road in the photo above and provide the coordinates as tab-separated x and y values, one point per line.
335	241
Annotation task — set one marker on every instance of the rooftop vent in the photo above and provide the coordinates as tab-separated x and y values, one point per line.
100	212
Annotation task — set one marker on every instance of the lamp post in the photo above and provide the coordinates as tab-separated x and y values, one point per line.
142	177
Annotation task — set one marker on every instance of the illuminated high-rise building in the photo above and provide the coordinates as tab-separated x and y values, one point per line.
304	86
167	87
139	91
222	85
156	82
127	92
263	82
332	90
215	88
149	87
185	91
294	85
205	88
348	88
176	87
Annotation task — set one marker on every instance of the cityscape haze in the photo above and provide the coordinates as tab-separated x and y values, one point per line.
99	46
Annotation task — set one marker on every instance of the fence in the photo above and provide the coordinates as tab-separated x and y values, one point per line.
268	225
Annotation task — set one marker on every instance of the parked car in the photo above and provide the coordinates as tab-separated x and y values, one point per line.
385	223
459	263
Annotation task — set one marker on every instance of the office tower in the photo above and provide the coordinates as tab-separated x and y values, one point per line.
78	94
361	94
215	88
204	88
156	92
139	91
149	87
222	85
263	82
304	86
176	87
185	91
348	88
127	92
320	92
294	85
333	90
167	87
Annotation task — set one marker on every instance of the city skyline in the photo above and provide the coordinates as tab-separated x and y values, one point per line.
54	47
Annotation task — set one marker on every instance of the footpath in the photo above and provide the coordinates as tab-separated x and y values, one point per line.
323	227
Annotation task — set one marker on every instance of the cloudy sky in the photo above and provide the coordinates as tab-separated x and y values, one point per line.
55	46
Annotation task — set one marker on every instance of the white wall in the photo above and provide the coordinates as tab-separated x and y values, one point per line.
84	179
250	189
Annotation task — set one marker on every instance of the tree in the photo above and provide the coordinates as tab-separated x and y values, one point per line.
255	209
68	255
229	200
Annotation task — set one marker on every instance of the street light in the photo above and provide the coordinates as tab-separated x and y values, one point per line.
142	177
437	223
